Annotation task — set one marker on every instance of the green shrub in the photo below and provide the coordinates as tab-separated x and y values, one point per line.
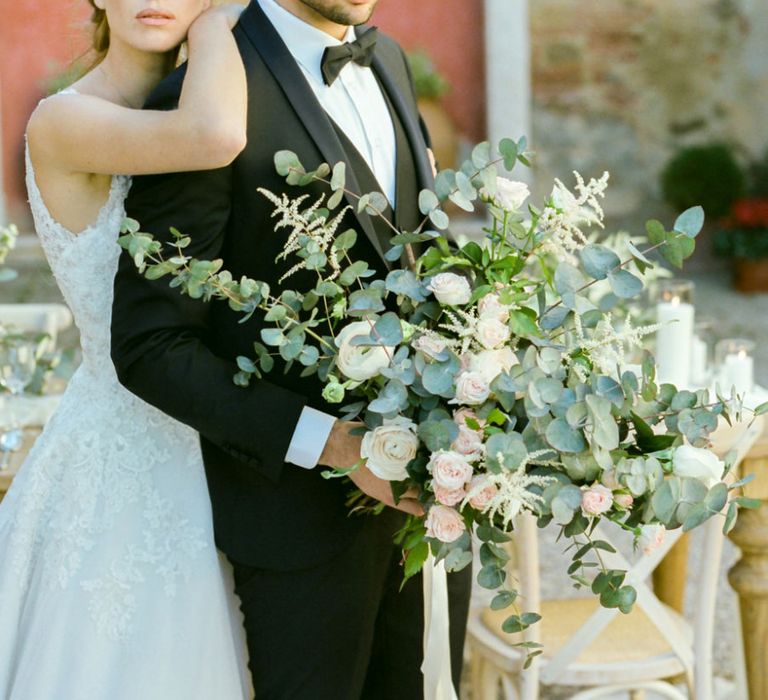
705	175
428	82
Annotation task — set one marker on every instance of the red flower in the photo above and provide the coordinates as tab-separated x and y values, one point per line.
750	213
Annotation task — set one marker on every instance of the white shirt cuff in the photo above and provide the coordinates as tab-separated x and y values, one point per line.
309	438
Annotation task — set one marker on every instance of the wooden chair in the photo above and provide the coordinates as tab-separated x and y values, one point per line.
604	650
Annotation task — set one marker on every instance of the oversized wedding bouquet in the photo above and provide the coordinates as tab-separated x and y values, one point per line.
497	386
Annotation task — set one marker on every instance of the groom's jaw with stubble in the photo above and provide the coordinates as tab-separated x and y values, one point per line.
331	16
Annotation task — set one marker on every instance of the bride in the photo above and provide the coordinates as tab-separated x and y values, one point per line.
110	583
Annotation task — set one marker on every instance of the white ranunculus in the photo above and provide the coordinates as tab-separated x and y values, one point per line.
389	448
491	333
698	464
450	289
490	306
491	363
471	389
360	362
511	194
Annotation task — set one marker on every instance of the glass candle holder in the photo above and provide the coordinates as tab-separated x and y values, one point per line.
736	363
674	339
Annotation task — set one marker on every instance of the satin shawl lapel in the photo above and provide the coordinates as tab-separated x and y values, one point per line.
292	82
386	69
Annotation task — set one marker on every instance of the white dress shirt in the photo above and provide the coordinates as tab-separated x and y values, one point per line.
355	103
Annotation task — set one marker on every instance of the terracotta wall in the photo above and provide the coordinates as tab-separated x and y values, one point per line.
38	38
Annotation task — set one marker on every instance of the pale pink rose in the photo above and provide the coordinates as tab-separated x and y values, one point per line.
481	491
471	389
429	345
450	470
444	524
460	417
450	289
491	333
624	500
449	497
490	306
596	500
389	448
652	537
468	443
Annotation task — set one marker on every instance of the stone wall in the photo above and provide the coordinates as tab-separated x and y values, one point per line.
620	85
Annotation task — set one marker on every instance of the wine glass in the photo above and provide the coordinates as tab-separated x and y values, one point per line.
17	368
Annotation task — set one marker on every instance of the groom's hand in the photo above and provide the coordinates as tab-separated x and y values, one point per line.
342	451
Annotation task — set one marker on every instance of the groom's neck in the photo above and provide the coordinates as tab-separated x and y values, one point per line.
314	18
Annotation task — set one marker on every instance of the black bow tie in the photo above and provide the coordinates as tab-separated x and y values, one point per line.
336	57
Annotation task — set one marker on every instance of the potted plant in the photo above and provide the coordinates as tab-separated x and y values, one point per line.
430	88
743	234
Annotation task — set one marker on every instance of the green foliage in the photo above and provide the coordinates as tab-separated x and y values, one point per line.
705	175
428	82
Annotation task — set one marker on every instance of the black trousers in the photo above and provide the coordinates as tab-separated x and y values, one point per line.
344	630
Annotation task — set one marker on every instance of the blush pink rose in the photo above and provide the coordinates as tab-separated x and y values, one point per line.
596	500
468	443
624	500
471	389
444	524
449	497
481	491
450	470
460	417
652	537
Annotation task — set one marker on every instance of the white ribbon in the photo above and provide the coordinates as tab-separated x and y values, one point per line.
438	684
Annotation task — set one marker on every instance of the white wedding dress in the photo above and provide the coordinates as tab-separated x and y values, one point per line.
111	587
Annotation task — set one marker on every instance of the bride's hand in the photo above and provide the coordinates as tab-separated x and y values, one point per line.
229	12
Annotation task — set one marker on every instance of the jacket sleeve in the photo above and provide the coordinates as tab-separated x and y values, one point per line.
159	335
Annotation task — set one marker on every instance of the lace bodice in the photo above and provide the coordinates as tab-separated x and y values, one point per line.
84	264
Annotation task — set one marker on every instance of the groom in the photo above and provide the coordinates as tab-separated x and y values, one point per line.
324	616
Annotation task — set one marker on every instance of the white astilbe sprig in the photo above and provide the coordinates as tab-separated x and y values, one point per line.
463	324
561	221
305	224
512	488
606	344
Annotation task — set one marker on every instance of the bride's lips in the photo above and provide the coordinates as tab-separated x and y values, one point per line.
155	18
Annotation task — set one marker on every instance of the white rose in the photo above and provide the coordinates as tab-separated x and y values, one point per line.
471	389
510	194
390	447
360	362
491	363
450	289
461	415
490	306
468	443
444	524
651	537
698	464
450	470
429	345
491	333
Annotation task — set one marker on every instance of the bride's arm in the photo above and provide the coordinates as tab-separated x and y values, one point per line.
85	134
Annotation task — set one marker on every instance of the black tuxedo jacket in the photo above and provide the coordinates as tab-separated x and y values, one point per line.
179	354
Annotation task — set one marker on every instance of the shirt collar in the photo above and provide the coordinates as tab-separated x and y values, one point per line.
305	42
